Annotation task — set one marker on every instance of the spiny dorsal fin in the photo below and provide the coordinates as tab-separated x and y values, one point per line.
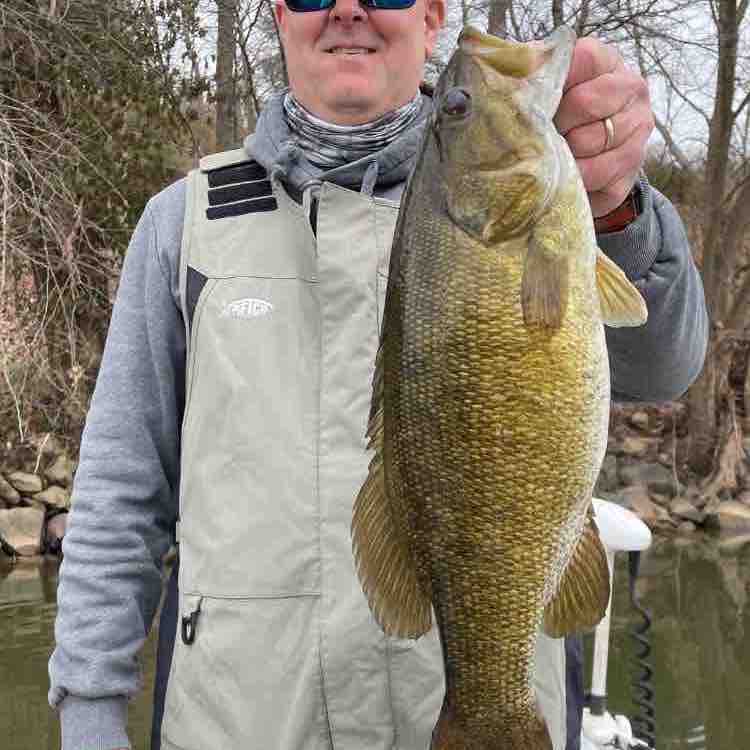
384	562
583	595
621	303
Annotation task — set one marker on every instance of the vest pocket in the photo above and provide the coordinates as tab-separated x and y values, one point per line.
249	502
249	679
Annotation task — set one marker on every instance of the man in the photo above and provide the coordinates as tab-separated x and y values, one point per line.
236	377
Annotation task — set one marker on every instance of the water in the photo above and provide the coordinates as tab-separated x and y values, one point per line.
700	639
27	619
697	592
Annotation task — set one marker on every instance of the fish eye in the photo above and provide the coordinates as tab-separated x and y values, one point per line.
456	102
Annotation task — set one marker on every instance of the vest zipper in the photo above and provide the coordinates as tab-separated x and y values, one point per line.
314	215
190	623
310	200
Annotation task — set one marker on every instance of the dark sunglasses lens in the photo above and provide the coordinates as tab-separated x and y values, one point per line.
301	6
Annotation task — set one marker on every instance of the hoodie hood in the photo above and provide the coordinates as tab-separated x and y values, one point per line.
272	145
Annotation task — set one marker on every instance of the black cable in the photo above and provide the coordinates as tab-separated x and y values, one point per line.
643	723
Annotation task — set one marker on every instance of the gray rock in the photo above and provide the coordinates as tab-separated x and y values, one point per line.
639	419
733	542
665	459
733	516
686	527
54	496
636	498
682	508
635	446
54	533
614	445
61	471
22	529
607	480
661	500
8	492
27	484
657	478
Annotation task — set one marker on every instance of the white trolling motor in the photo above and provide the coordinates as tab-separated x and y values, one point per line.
620	531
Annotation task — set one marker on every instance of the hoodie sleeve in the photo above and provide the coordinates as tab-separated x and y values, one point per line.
125	491
657	361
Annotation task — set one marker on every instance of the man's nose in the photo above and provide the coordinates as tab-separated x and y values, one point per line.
348	11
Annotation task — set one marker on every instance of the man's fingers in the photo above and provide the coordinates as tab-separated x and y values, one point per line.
599	98
590	140
591	59
609	176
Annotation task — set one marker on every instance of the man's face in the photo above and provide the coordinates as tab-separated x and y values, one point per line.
350	64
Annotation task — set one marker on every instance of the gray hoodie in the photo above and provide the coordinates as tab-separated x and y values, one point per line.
125	497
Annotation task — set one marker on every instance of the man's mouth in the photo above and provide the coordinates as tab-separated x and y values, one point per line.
350	50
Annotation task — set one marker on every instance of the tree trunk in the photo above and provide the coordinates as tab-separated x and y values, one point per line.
226	118
497	23
557	13
702	399
706	408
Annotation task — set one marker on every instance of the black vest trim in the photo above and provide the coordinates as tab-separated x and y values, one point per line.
239	189
238	209
194	286
243	172
242	191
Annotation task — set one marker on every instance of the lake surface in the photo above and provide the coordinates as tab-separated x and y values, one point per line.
700	649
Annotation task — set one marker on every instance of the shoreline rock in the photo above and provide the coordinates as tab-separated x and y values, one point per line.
643	470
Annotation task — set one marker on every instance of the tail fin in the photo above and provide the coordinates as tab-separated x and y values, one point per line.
522	733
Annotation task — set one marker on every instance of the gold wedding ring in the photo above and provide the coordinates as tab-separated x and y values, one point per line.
609	128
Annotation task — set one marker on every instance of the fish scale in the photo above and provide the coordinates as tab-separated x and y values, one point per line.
491	395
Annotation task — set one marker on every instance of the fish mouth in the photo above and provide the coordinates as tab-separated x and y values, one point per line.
509	58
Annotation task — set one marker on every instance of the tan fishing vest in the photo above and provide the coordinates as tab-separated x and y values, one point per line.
276	648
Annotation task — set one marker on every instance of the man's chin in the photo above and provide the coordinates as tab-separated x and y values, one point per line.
354	106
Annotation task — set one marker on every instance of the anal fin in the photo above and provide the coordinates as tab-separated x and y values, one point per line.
583	595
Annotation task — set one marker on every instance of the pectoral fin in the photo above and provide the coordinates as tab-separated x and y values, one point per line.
583	595
384	562
544	287
621	303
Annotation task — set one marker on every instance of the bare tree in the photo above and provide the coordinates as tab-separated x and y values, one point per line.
68	198
498	12
226	100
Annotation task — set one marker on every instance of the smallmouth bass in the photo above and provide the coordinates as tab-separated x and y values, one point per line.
491	394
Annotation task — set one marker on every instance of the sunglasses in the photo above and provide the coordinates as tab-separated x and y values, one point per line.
302	6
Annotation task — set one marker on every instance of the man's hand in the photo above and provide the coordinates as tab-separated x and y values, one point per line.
599	86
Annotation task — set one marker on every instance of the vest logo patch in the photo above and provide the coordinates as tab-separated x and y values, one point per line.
246	308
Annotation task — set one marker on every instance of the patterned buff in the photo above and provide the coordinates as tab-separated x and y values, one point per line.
327	145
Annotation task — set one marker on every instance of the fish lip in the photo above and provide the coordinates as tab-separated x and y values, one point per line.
511	58
472	40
